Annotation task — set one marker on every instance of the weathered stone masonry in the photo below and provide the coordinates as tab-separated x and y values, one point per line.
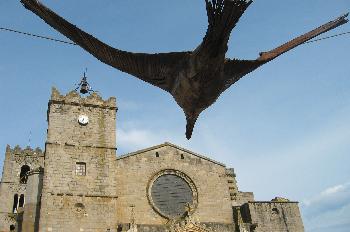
13	186
79	183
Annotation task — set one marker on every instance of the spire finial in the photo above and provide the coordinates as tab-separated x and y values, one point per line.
84	85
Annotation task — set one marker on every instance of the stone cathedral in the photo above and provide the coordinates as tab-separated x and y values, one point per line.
78	183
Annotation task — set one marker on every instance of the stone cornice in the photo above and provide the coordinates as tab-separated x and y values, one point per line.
81	195
273	202
76	145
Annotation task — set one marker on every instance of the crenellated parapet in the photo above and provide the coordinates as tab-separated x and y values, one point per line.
28	155
74	98
17	150
17	158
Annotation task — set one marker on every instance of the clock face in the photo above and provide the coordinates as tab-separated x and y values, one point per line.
83	119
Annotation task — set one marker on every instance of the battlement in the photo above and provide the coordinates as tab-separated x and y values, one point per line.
18	157
74	98
28	151
18	162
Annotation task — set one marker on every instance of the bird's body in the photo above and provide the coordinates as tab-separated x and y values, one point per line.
194	78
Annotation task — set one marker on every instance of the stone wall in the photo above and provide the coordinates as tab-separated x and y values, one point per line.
243	197
73	201
78	213
11	185
212	227
31	214
135	171
238	198
272	216
63	126
60	170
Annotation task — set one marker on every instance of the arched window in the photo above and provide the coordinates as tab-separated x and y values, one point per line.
12	227
15	203
23	177
21	200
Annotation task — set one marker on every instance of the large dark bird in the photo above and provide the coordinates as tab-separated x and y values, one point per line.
194	78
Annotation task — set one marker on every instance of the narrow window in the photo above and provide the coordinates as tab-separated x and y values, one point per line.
23	176
182	156
80	169
21	201
157	154
15	203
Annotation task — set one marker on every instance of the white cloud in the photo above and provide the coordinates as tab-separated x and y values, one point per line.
134	139
328	210
334	190
331	198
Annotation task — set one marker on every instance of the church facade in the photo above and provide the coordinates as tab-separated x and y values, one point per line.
78	183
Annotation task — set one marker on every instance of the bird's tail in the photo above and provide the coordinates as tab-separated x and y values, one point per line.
223	15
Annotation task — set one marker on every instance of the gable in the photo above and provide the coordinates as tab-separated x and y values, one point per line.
160	181
168	145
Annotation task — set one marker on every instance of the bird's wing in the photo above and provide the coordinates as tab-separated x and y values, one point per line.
235	69
156	69
270	55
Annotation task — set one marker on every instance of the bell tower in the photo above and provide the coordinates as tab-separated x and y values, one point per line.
79	186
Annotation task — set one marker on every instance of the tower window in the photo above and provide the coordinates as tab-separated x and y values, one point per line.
182	156
80	169
15	203
23	176
12	227
157	154
21	200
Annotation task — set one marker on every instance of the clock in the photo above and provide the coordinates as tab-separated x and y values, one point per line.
83	119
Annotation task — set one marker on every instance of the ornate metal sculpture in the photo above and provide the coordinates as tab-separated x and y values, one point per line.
194	78
84	86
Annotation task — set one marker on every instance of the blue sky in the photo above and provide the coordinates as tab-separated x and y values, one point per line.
284	128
